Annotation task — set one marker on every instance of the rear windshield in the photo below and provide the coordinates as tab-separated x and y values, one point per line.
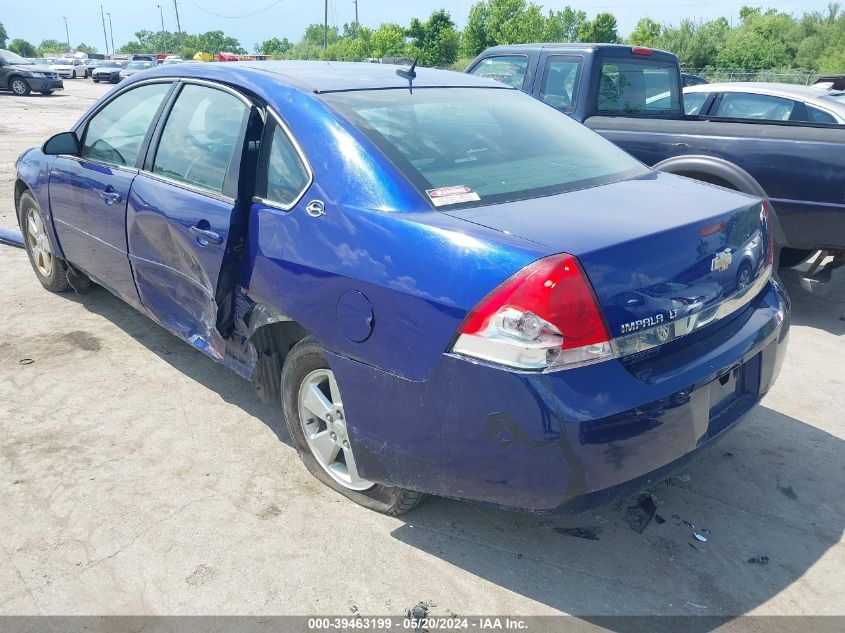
638	87
473	146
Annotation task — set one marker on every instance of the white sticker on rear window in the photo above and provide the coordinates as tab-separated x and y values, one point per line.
451	195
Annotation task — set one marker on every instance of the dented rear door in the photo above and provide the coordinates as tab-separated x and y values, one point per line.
182	212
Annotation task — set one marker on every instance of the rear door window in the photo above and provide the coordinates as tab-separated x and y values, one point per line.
744	105
633	86
508	69
202	133
115	134
560	82
814	115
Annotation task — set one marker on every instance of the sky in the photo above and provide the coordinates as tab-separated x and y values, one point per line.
252	21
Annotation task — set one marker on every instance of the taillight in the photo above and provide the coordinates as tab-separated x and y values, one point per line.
544	317
641	50
770	230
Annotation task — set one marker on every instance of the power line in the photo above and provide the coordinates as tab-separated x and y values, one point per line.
236	17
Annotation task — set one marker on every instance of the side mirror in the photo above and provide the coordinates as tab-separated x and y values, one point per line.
62	143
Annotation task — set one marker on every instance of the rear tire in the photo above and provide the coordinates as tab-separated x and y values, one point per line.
48	267
19	86
326	451
96	80
790	257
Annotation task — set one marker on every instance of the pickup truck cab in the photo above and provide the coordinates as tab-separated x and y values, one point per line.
633	97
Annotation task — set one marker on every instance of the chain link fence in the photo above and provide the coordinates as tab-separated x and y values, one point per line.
804	77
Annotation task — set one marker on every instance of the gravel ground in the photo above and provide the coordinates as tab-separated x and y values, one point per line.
139	477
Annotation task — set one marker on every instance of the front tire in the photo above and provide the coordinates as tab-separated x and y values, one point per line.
316	421
48	267
96	80
19	86
73	75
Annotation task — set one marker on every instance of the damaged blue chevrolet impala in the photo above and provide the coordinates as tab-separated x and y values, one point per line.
449	287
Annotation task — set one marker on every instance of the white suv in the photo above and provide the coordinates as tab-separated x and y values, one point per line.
70	67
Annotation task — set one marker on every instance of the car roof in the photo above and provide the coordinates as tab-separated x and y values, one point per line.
809	94
320	76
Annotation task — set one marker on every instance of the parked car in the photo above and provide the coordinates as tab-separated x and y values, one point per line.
144	58
633	97
767	102
71	67
21	77
108	71
831	82
134	67
168	61
92	65
42	61
418	267
688	79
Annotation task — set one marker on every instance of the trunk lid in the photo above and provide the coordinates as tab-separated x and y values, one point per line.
655	248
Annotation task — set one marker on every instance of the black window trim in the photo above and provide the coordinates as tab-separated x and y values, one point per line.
303	158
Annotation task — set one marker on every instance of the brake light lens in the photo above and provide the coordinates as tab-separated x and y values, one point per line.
641	50
545	317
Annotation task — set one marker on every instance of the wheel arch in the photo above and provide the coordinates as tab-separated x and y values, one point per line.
721	172
272	334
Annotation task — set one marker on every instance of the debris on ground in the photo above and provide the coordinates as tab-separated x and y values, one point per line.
659	519
697	606
684	477
601	519
420	611
589	533
759	560
693	546
699	537
353	608
639	516
727	454
26	361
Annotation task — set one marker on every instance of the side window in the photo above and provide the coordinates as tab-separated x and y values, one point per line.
115	134
282	175
814	115
509	69
560	82
693	101
743	105
200	137
632	86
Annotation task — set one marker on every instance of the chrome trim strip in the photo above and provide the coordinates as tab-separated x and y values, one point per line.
673	330
302	158
187	186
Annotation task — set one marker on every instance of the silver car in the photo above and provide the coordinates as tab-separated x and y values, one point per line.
767	101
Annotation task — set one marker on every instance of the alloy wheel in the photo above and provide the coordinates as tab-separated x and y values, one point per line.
324	426
39	243
19	87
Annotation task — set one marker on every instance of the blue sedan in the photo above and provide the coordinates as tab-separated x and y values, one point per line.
449	287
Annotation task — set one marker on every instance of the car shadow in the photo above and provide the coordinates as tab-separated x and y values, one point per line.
818	311
232	388
752	496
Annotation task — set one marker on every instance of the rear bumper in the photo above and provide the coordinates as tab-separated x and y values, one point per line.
568	440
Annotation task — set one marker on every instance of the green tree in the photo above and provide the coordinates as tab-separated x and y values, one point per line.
388	40
23	48
760	42
515	22
647	33
600	30
274	46
562	26
476	34
696	44
435	41
52	47
84	48
3	36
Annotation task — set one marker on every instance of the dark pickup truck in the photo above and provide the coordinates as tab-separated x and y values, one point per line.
633	96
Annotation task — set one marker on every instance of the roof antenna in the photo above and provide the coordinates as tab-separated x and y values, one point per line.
409	74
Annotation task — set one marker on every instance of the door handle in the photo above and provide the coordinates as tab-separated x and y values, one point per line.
110	197
204	236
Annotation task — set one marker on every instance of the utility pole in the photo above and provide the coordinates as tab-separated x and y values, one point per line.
326	25
355	2
111	32
163	34
67	33
178	26
105	37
